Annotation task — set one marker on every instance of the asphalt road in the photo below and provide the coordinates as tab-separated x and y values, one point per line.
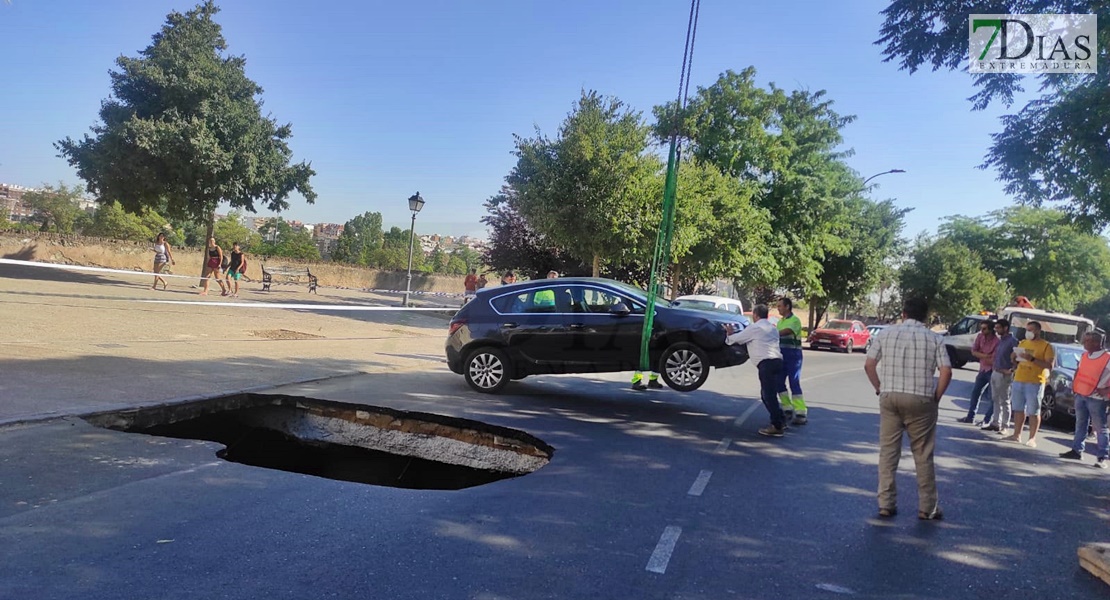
649	495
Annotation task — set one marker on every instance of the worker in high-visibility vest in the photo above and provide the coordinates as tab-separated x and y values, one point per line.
1091	386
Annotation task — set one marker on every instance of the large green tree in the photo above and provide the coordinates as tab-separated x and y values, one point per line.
786	145
184	129
1057	147
55	206
587	191
279	238
361	236
113	221
951	278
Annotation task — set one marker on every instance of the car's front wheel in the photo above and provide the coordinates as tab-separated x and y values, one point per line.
849	347
684	367
1048	405
487	370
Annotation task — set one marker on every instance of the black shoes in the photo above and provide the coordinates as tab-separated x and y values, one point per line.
989	427
1071	455
655	385
966	420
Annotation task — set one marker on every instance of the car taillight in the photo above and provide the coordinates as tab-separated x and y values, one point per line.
455	325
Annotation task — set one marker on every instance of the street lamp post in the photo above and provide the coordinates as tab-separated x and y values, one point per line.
878	174
415	204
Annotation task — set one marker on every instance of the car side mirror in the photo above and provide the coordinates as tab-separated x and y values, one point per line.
620	309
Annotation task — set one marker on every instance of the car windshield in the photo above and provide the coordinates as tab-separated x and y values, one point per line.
1068	358
838	325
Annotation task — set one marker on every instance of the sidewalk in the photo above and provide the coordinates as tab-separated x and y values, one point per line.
75	343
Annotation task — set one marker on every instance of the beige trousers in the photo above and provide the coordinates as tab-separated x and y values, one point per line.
917	417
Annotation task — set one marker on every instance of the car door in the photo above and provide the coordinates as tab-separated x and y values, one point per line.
859	335
601	338
531	326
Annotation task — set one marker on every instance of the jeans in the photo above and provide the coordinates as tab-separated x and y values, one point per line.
982	380
770	370
1095	410
1000	394
916	417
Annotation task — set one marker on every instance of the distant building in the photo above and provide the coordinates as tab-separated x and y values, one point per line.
11	203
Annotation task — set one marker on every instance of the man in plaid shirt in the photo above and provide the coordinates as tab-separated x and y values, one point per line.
901	364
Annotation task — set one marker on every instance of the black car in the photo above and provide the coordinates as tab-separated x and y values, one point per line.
583	325
1058	401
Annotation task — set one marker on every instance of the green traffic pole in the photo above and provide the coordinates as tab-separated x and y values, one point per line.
661	254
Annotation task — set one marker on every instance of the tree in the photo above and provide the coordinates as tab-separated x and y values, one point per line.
951	278
231	229
361	236
516	246
585	190
278	238
1057	147
112	221
785	145
184	129
55	206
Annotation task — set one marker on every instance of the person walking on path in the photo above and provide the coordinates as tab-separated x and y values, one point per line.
1002	376
983	348
470	286
790	343
212	266
1091	386
901	364
235	269
762	338
1034	358
163	255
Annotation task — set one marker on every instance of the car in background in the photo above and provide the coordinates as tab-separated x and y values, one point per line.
839	334
872	330
961	337
583	325
703	302
1058	402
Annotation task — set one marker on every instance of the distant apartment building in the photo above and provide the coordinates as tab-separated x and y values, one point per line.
12	206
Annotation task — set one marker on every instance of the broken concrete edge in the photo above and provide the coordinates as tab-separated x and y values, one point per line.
1095	559
411	423
169	402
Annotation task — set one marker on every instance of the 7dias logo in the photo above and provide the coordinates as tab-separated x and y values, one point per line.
1033	43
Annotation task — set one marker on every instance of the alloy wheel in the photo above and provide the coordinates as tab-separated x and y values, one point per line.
684	367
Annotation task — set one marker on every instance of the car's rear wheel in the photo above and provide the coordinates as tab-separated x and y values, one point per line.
1048	405
684	367
487	370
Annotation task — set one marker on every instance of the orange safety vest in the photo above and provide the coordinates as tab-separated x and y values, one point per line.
1089	372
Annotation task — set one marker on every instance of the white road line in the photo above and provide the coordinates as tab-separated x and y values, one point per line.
338	307
663	550
723	446
700	483
747	413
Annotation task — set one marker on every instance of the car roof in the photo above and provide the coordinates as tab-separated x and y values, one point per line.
708	298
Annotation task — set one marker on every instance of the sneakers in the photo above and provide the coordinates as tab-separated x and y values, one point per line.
799	419
1102	463
989	427
772	431
1071	455
886	513
639	386
966	420
654	385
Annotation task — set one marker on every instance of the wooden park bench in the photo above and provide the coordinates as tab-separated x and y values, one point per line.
292	273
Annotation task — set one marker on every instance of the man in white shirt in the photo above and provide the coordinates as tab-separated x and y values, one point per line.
1090	385
762	338
901	364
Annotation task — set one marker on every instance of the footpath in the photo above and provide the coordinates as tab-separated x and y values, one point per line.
74	343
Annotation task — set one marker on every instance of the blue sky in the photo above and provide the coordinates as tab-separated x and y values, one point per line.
387	98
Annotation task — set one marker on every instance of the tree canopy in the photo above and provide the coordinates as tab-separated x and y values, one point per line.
184	129
1056	149
56	207
951	277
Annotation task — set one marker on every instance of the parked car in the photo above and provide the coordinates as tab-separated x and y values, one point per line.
701	301
872	331
1058	401
583	325
839	334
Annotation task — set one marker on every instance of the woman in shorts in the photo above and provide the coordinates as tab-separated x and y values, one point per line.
235	269
212	266
163	254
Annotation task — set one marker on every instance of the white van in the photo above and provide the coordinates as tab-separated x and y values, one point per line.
1055	327
703	302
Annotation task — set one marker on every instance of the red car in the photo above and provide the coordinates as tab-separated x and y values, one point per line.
845	336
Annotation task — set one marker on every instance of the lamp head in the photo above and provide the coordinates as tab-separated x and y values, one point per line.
416	203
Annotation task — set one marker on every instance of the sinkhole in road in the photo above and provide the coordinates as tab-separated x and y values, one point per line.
347	442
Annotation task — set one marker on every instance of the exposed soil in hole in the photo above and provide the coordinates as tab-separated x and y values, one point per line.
347	442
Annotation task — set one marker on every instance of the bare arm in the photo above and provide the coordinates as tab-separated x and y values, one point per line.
871	367
943	381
